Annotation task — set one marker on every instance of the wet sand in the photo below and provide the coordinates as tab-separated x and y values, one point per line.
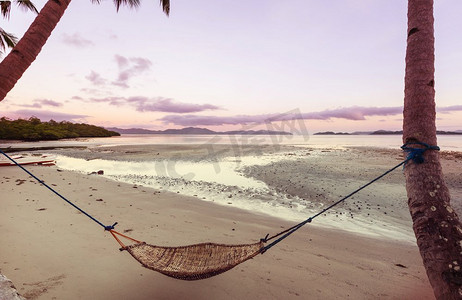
327	175
50	251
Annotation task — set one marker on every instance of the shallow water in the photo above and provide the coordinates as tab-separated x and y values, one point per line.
223	183
223	172
446	142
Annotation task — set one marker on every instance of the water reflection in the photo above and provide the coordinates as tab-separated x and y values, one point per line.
205	171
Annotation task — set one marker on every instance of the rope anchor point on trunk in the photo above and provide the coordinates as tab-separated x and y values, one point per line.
416	154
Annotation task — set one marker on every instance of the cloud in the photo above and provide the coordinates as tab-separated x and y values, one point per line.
159	104
76	40
95	78
116	101
93	91
44	115
47	102
168	105
354	113
449	109
122	62
194	120
348	113
130	67
39	103
33	105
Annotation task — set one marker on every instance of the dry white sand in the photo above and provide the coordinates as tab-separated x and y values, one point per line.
50	251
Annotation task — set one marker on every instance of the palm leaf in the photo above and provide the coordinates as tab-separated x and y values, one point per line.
165	6
129	3
7	40
27	5
5	7
136	3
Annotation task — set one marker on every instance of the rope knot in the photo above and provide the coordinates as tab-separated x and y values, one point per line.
110	227
416	154
265	239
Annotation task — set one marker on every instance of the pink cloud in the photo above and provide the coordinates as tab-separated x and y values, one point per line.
194	120
130	67
159	104
349	113
95	78
44	115
33	105
354	113
449	109
121	61
39	103
116	101
168	105
76	40
48	102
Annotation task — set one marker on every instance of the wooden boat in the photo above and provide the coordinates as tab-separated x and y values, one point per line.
44	160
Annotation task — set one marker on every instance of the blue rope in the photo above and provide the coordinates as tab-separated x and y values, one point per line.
106	227
415	154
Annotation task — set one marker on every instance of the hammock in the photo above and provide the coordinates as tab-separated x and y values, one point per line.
191	262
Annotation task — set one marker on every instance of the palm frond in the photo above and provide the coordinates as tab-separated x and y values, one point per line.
136	3
165	6
7	40
5	7
27	5
129	3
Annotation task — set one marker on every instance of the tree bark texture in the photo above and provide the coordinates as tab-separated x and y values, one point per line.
436	225
29	46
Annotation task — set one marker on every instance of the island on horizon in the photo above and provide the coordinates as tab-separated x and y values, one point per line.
381	132
197	130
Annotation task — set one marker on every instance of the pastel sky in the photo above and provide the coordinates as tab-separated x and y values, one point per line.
338	65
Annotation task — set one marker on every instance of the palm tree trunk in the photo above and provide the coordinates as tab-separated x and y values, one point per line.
436	225
24	53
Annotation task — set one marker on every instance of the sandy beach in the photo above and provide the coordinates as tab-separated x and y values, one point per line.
51	251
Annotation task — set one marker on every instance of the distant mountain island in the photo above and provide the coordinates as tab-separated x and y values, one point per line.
381	132
195	130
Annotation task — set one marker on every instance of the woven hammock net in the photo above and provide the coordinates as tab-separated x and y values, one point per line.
195	261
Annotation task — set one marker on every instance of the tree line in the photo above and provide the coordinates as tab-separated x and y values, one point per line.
35	130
